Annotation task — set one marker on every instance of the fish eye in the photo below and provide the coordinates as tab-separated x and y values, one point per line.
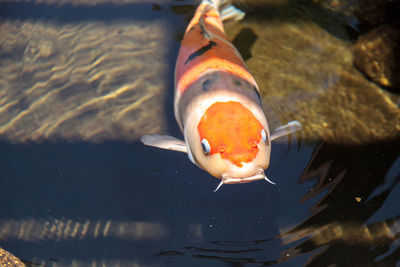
264	136
206	146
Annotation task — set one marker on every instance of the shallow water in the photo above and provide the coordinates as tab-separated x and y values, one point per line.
81	81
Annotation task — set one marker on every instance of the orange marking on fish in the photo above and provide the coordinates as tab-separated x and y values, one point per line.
221	56
211	16
232	131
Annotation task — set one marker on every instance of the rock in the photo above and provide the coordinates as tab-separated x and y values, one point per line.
377	55
9	260
306	73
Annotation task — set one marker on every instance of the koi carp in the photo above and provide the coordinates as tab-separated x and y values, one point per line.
217	103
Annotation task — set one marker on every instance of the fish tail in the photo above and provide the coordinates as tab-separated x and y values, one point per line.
230	12
214	3
226	10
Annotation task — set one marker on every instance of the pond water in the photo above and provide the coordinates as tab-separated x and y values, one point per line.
81	81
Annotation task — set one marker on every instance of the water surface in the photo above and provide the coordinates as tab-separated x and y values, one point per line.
81	81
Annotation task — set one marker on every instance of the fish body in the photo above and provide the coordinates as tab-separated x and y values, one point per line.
217	104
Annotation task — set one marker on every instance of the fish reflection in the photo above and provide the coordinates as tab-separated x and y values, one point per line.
57	230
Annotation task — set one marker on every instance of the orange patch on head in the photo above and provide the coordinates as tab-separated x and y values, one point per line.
231	130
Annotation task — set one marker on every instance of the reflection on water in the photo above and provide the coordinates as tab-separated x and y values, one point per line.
338	231
340	205
100	73
31	230
348	233
341	227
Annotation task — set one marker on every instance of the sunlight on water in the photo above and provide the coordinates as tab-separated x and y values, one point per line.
86	81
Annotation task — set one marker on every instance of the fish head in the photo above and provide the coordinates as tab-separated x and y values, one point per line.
230	140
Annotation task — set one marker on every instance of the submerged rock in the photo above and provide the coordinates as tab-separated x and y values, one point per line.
9	260
377	55
98	80
376	52
306	73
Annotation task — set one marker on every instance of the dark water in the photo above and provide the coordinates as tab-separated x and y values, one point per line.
115	202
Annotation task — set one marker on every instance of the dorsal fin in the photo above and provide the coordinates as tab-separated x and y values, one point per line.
203	28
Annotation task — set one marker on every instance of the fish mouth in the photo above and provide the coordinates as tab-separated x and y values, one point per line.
240	180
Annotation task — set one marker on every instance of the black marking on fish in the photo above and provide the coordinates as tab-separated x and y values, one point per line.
237	82
200	51
258	93
207	84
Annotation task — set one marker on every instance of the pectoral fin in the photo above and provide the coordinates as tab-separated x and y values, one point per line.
291	127
164	142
